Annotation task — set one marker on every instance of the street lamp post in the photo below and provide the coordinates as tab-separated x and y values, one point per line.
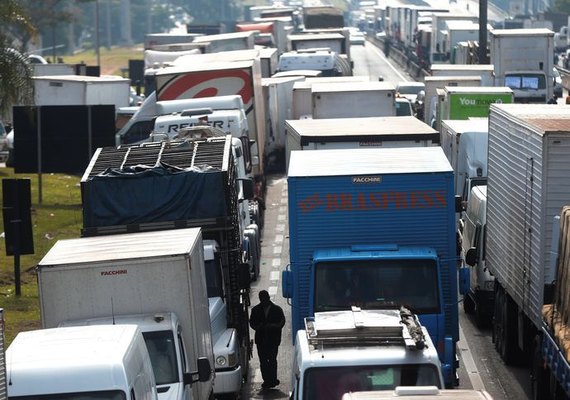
97	46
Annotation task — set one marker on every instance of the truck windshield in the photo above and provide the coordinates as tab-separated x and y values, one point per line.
377	284
160	345
101	395
525	81
331	383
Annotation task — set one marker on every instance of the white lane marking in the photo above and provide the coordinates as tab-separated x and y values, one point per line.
374	48
274	276
281	217
272	290
280	228
470	367
278	239
276	262
277	249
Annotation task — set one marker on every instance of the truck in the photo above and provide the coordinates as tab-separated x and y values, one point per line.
465	143
81	90
322	59
458	31
354	133
432	83
227	41
81	362
207	195
3	381
523	196
153	39
523	60
551	371
319	17
302	97
113	279
485	71
438	51
221	79
351	351
356	213
143	121
353	100
476	282
419	393
468	102
278	94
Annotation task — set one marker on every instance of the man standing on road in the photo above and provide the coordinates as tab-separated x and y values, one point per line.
267	320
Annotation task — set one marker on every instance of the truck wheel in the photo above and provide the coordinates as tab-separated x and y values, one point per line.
506	329
468	304
481	319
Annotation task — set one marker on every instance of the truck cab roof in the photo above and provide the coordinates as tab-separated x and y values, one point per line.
363	337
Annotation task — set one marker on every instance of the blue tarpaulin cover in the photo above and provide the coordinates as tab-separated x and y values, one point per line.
160	193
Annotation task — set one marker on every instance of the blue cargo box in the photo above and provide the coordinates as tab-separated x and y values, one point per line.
371	197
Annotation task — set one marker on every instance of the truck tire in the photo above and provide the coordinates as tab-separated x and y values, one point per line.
505	327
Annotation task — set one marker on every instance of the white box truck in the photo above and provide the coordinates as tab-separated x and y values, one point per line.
302	98
61	90
227	41
353	100
155	280
432	83
485	71
353	133
528	184
465	143
524	59
110	361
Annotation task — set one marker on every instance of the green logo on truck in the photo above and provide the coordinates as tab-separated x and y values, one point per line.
463	106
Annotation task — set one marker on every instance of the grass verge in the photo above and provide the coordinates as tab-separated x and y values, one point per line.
58	216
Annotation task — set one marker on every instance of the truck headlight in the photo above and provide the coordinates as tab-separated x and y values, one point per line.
221	361
232	359
489	286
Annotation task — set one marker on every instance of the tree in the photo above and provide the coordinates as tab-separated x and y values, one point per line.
16	83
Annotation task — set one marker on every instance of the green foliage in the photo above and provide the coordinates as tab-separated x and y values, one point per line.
562	6
57	217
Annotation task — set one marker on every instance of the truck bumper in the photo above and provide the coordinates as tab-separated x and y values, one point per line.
228	381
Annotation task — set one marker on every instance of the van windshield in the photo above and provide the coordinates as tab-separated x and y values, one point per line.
101	395
162	352
331	383
377	284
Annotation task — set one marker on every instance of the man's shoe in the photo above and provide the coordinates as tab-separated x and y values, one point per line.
269	385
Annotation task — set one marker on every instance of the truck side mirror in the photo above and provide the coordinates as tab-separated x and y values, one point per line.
204	369
458	204
471	256
248	189
287	283
202	375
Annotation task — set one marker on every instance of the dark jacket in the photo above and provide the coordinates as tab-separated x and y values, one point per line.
267	330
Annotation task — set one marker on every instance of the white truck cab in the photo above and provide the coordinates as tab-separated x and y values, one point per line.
358	350
81	362
479	297
225	341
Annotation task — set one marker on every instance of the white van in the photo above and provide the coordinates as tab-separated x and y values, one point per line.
102	361
419	393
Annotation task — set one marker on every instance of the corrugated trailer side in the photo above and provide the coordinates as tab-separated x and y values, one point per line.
528	183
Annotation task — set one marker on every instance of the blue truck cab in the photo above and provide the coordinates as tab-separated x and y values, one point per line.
375	228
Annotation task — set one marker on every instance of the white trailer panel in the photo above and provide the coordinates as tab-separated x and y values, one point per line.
353	133
528	183
64	90
353	100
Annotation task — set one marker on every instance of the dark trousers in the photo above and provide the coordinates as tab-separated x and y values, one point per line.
268	362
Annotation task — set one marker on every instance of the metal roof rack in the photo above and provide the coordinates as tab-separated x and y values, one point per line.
392	327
